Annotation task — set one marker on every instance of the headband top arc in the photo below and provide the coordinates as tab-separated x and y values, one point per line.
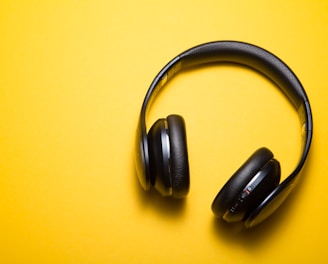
242	53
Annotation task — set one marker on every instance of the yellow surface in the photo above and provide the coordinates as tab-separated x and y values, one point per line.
73	75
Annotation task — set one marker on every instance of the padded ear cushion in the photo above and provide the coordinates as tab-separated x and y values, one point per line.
179	167
239	180
159	157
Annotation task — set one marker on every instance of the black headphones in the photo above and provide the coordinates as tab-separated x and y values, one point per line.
253	192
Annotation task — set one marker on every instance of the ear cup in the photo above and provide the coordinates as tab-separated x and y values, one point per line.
259	187
168	157
179	168
251	183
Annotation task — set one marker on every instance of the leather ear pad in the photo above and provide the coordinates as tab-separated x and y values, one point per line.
179	168
159	157
238	181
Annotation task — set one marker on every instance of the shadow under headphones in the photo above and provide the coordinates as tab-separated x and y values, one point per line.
253	192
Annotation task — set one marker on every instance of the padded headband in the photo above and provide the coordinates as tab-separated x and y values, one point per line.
231	52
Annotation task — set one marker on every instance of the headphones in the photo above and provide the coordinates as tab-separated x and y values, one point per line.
253	192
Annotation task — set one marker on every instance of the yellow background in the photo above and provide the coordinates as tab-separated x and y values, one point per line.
73	75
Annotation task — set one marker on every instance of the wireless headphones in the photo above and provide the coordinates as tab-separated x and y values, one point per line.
253	192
